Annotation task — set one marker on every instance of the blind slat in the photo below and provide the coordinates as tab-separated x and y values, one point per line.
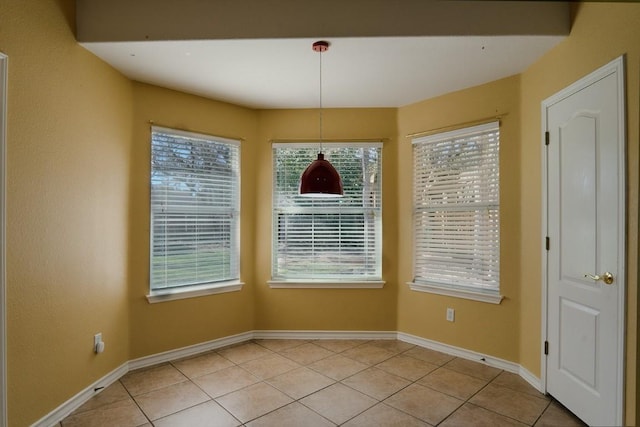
456	208
194	208
327	238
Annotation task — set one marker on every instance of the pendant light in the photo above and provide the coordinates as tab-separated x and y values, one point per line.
320	178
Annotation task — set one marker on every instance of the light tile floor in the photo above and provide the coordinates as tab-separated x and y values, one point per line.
321	383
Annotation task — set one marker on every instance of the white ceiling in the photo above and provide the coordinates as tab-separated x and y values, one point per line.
257	53
356	72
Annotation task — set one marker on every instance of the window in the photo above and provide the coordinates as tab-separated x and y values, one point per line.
456	198
195	184
327	241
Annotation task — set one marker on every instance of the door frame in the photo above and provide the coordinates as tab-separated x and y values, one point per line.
615	66
3	253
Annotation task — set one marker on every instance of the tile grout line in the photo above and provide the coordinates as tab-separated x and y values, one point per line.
135	402
334	382
378	401
307	365
211	399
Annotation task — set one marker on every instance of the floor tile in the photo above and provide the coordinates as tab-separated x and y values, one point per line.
515	382
202	365
207	414
472	415
428	355
244	352
392	345
423	403
225	381
278	345
261	384
269	366
453	383
557	416
292	415
165	401
338	403
306	353
114	393
124	413
338	346
149	379
376	383
300	382
474	369
407	367
253	401
520	406
368	354
382	415
338	367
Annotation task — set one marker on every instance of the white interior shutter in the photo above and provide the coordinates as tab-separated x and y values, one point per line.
456	196
327	239
195	185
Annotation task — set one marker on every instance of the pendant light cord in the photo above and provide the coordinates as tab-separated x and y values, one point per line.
321	101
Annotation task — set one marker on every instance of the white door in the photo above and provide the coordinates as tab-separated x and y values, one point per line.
585	208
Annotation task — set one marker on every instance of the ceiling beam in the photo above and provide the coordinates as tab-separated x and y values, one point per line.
141	20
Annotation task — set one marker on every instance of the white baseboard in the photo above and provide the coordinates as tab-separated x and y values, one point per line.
461	352
63	411
79	399
325	335
191	350
535	382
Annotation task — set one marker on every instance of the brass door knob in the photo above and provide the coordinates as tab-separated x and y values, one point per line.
607	277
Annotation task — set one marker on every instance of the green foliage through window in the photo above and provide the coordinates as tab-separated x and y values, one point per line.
194	209
328	239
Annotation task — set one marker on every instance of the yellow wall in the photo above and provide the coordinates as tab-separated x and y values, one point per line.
483	327
600	33
78	210
169	325
68	143
325	309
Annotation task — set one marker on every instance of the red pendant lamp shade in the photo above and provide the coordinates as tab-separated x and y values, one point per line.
321	179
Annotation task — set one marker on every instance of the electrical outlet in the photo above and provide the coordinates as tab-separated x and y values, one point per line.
450	314
98	344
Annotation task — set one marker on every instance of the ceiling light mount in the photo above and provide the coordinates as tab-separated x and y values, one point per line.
320	46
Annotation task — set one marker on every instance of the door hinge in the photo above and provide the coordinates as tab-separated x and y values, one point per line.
546	348
546	138
547	243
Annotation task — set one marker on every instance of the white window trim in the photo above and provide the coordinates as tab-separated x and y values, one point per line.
185	292
323	283
198	290
490	297
326	284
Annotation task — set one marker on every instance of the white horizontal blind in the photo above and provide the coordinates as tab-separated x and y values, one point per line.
195	184
456	197
328	239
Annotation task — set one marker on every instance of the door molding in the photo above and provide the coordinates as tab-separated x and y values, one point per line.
3	245
615	66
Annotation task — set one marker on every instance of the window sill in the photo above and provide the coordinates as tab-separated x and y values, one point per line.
194	291
458	293
313	284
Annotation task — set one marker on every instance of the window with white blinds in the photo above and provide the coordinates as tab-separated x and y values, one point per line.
195	185
327	239
456	196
